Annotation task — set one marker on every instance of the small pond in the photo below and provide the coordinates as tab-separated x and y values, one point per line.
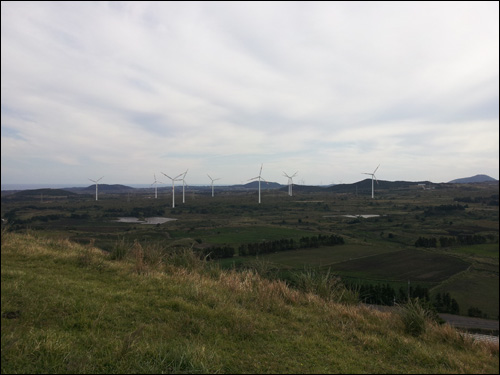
147	220
363	216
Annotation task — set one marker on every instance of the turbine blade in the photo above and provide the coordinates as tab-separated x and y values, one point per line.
376	169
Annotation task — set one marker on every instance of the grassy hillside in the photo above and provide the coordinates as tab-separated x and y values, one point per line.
69	308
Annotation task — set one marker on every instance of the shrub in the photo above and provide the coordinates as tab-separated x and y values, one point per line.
415	317
325	285
120	249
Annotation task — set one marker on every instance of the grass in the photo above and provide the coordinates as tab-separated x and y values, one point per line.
82	312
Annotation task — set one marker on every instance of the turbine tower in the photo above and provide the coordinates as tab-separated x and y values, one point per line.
290	182
156	186
184	185
96	181
259	177
213	179
373	176
173	187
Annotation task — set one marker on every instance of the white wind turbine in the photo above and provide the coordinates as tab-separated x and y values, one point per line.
259	177
96	181
156	186
213	179
373	176
173	186
184	185
290	182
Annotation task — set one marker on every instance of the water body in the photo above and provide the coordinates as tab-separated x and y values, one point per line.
354	216
147	220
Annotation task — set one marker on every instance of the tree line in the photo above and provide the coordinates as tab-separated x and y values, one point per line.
443	209
267	247
489	201
384	294
460	240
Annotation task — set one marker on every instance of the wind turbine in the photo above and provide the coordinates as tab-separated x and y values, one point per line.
260	178
290	182
373	176
96	181
213	179
173	186
156	186
184	185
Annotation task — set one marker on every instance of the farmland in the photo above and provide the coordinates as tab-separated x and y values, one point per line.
456	226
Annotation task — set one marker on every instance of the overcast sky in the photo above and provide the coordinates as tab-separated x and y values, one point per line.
328	89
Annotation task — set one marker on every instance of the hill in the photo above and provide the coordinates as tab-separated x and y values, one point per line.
103	188
365	186
39	194
69	308
263	185
473	179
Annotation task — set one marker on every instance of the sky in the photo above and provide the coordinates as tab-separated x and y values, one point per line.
130	91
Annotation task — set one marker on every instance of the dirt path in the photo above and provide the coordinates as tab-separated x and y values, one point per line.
457	321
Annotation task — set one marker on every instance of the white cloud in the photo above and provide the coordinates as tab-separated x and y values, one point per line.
327	87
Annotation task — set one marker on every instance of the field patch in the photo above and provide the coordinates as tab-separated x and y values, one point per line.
489	250
244	234
414	265
474	289
322	256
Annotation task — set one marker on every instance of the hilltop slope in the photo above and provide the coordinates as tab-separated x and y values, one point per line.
68	308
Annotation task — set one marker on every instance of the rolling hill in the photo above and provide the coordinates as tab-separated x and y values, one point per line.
473	179
70	308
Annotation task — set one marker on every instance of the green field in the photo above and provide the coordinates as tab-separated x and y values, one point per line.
235	235
474	289
413	265
322	257
376	249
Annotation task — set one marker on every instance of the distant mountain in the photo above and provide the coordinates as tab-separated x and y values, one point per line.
476	178
40	194
103	188
263	185
365	186
304	188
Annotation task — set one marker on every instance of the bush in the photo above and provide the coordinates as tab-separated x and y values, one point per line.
120	249
325	285
415	317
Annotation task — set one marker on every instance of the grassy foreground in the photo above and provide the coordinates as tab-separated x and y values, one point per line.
69	308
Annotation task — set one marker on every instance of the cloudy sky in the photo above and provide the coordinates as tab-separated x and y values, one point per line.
328	89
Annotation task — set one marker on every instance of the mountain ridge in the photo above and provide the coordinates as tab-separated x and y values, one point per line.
473	179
